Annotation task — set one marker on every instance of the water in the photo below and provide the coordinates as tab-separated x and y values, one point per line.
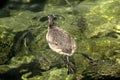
25	54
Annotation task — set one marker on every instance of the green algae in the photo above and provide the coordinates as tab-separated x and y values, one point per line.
102	70
94	25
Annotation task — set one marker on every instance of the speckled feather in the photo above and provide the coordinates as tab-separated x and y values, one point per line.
60	41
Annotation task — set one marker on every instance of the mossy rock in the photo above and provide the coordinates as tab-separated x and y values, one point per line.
6	43
104	69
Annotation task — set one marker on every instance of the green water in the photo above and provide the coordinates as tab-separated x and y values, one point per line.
25	54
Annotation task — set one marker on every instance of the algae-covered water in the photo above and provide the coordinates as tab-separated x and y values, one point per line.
93	24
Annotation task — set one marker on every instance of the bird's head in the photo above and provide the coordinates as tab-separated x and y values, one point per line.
51	19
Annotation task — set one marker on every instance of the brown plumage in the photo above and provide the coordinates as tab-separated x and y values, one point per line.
59	40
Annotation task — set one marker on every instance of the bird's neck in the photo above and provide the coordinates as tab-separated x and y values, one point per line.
52	25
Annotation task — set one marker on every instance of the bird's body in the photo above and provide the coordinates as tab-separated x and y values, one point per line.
60	41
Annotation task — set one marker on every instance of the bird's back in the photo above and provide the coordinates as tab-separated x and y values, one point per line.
60	41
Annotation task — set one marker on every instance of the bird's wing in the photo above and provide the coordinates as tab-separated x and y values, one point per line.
60	40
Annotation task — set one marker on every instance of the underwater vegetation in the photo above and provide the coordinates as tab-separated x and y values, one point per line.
25	54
